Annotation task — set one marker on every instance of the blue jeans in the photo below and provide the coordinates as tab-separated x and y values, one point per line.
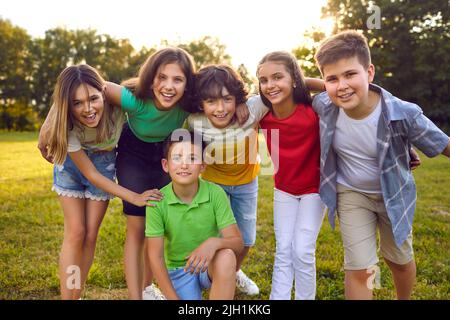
244	202
69	181
189	286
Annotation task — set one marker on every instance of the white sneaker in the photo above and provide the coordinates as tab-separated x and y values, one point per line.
152	293
245	284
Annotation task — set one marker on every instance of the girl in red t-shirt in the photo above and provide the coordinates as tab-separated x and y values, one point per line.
291	130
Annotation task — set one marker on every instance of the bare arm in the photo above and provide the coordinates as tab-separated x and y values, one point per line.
315	84
113	93
242	113
201	257
44	134
155	248
415	159
84	164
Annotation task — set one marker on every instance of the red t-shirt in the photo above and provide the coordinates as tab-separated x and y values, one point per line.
298	154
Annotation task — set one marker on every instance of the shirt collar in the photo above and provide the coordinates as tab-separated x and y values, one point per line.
201	196
389	104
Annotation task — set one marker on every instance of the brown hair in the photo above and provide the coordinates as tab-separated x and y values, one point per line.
211	79
343	45
181	135
61	117
301	92
142	83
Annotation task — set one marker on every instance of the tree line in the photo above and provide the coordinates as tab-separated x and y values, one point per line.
410	50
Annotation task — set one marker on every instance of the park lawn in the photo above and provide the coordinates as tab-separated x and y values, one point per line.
31	231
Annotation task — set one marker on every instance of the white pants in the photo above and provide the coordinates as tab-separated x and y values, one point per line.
297	222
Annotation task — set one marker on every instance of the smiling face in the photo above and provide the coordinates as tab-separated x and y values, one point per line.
168	85
87	105
220	111
276	83
184	163
347	84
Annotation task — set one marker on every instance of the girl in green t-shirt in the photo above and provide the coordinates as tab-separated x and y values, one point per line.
156	103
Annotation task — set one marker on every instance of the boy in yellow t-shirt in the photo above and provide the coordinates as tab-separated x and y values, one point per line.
232	150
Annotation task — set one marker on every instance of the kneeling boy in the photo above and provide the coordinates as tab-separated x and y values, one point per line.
192	234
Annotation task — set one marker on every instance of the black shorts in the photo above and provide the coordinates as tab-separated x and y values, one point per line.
138	166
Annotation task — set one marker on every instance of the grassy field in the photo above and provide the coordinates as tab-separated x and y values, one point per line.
31	230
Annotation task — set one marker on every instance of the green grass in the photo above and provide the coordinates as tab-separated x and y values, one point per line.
31	231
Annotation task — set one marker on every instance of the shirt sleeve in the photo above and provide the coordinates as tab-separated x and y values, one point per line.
318	104
129	102
426	136
257	108
222	208
154	224
73	143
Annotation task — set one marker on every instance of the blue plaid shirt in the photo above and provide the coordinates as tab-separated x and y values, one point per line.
401	125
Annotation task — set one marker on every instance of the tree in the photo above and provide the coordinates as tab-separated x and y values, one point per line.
15	109
207	50
305	53
248	80
410	50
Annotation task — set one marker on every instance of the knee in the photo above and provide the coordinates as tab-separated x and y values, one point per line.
304	252
91	238
75	236
224	263
402	268
360	276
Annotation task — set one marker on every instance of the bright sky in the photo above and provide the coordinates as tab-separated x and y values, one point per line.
248	28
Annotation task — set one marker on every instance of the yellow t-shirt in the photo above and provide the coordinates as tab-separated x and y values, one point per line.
231	154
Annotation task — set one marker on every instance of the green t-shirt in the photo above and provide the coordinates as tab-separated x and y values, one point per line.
147	122
186	226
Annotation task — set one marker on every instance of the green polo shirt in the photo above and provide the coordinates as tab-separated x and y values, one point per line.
147	122
186	226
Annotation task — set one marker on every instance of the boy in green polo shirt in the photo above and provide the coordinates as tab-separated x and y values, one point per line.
192	235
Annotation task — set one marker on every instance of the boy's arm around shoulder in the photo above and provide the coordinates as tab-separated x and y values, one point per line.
321	103
425	135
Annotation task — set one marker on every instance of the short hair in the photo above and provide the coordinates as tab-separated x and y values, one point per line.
211	79
301	92
181	135
344	45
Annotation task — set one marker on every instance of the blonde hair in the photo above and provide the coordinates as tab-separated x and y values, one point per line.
61	120
346	44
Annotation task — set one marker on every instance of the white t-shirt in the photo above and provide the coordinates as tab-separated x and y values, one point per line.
85	137
355	143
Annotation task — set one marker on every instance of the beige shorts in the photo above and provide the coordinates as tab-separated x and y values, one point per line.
359	215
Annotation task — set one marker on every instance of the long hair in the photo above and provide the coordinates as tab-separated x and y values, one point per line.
301	92
61	116
141	84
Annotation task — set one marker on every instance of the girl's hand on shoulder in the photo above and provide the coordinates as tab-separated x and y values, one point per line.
143	199
242	113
